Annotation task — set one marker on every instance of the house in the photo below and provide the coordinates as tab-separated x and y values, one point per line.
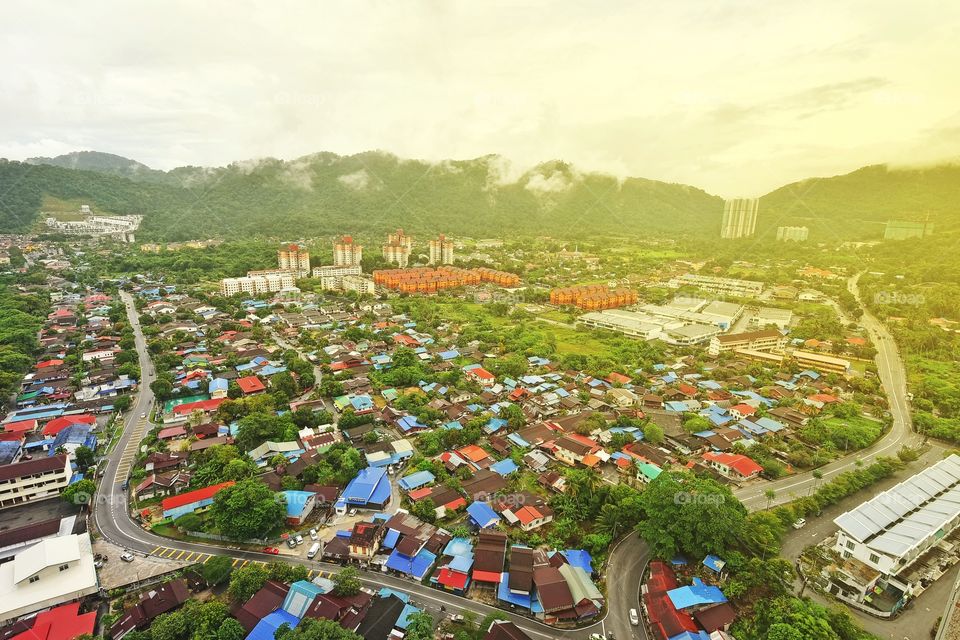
157	600
162	484
482	515
489	557
483	377
742	411
51	572
176	506
733	465
299	506
505	630
370	489
264	602
251	385
60	623
575	449
529	517
365	540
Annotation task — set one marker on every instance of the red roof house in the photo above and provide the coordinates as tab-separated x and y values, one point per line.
60	623
734	465
57	425
250	385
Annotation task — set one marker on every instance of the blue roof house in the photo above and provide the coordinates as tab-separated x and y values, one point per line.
416	480
370	489
482	515
299	598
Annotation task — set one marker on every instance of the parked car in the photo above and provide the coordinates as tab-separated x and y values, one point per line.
291	542
126	556
143	415
456	618
299	539
314	535
352	512
271	550
799	524
634	617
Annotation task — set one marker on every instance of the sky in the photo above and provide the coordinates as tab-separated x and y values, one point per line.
736	97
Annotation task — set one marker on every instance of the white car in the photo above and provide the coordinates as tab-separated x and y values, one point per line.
799	524
634	617
143	415
299	539
126	556
313	534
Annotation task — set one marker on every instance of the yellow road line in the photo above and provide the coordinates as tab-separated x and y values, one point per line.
235	562
181	555
155	550
187	559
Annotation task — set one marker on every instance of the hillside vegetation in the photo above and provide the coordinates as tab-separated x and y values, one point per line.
372	192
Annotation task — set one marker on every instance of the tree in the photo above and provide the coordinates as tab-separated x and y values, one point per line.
593	422
425	509
80	493
84	457
652	433
217	570
122	403
315	629
770	495
248	509
687	514
162	388
230	629
170	626
246	581
420	627
189	522
347	582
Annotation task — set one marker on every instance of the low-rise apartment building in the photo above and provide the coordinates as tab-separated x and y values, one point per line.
267	283
821	362
32	480
729	286
763	340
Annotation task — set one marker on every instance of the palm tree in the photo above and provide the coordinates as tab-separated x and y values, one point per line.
770	495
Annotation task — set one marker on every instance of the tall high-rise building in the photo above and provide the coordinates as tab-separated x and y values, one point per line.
398	248
346	252
739	218
441	250
295	258
794	234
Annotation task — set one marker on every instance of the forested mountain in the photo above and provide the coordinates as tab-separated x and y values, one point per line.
372	192
858	204
100	162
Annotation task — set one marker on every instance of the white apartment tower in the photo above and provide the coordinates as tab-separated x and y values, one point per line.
441	250
347	253
793	234
295	258
398	248
739	218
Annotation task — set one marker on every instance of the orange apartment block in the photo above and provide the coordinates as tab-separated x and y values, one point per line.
593	297
432	280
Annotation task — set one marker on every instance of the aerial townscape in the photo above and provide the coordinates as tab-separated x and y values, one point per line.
396	396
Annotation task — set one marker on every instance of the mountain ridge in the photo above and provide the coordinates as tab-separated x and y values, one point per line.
374	191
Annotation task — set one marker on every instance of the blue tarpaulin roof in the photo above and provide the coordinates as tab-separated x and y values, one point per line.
695	595
504	593
505	467
416	567
390	540
268	626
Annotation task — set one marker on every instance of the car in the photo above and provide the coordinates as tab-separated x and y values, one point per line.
271	550
314	535
299	539
799	524
352	512
291	542
126	556
634	617
456	618
143	416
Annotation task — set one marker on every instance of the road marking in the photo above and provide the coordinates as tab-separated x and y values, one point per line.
155	550
181	555
235	562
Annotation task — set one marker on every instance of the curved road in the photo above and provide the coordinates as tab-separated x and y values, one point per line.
628	559
894	380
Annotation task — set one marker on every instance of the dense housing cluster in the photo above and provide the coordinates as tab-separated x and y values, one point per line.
593	297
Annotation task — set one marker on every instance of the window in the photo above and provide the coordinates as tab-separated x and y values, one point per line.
874	558
849	544
847	554
34	578
64	567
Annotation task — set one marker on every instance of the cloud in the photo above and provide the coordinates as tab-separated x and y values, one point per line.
556	182
358	180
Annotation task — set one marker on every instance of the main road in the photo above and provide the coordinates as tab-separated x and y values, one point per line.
893	379
628	558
